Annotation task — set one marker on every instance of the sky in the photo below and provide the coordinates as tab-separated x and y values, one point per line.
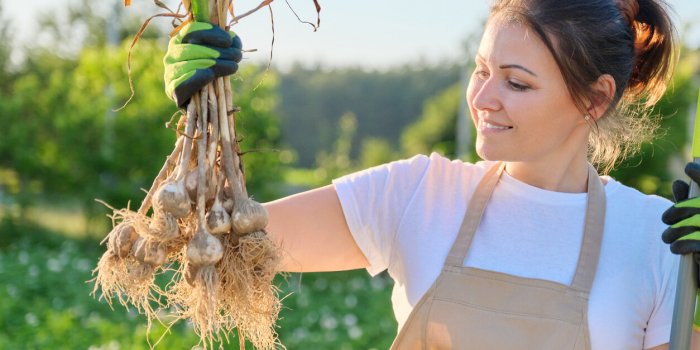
372	34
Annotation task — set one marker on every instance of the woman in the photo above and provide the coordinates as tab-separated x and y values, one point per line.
529	249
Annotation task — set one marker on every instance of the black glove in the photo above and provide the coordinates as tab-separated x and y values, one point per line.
684	232
197	54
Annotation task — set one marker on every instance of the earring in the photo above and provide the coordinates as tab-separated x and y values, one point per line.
587	117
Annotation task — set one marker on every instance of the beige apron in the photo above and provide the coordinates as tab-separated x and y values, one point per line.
470	308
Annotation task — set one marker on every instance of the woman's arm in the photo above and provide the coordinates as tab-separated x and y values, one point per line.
311	230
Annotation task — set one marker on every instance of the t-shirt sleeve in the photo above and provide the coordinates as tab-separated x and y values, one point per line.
658	329
374	202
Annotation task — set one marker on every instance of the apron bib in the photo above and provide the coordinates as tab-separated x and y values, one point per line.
471	308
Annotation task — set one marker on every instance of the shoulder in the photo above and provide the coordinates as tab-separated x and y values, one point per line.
633	203
433	167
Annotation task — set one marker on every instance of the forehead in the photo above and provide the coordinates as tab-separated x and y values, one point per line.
511	42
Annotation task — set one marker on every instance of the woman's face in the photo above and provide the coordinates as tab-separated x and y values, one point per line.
519	102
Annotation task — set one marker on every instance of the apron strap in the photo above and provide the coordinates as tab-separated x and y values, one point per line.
592	234
472	217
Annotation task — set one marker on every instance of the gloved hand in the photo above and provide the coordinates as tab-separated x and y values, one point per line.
684	232
197	54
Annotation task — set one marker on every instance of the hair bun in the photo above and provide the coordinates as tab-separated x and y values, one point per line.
629	10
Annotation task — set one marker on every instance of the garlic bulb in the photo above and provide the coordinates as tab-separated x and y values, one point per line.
149	252
248	216
164	226
121	239
172	197
204	249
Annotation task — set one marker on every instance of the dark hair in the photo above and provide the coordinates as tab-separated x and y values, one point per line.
631	40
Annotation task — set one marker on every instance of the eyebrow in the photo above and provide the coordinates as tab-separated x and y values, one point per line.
517	66
507	66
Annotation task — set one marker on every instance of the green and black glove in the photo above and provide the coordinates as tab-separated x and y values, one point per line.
683	217
197	54
684	232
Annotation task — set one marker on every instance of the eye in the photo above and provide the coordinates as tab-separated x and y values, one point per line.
517	86
481	74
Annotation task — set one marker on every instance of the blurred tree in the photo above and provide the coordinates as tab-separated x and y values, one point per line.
435	130
68	145
384	102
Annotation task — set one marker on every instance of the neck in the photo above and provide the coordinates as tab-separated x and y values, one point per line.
570	176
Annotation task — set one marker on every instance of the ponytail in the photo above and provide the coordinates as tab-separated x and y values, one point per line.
654	44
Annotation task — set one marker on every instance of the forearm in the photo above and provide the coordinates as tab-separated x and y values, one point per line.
311	230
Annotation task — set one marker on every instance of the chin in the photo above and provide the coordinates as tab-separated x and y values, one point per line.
488	153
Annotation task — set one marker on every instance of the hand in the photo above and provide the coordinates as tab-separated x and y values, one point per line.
197	54
684	232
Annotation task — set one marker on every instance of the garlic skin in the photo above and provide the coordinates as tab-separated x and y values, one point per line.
191	273
149	252
121	239
218	219
204	249
172	197
191	181
164	226
248	216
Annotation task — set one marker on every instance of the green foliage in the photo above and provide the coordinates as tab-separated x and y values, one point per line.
384	102
71	143
435	130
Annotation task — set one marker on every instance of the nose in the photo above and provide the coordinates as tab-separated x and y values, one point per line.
483	94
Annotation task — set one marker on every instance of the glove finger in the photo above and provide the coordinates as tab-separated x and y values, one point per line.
680	190
672	234
215	37
693	171
678	212
230	54
687	244
184	91
189	52
236	41
223	68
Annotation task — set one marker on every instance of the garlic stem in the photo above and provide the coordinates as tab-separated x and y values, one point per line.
170	162
201	162
228	160
189	135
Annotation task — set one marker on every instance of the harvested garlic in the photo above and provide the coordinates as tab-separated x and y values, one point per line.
218	219
248	216
172	197
204	249
121	239
149	251
164	226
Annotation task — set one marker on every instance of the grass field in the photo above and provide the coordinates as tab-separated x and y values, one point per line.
45	301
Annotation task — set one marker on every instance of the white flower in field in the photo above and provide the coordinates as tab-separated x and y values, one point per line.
23	257
350	300
350	320
54	265
329	322
81	264
31	319
33	271
354	332
12	291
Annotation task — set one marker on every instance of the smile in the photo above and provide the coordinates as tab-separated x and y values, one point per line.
487	125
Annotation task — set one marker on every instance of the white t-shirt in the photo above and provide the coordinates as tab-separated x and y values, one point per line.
405	216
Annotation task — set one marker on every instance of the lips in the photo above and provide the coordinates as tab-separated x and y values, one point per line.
491	125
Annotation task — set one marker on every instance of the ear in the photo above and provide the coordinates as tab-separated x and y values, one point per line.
604	91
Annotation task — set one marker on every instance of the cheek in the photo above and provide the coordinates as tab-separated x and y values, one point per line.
471	92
